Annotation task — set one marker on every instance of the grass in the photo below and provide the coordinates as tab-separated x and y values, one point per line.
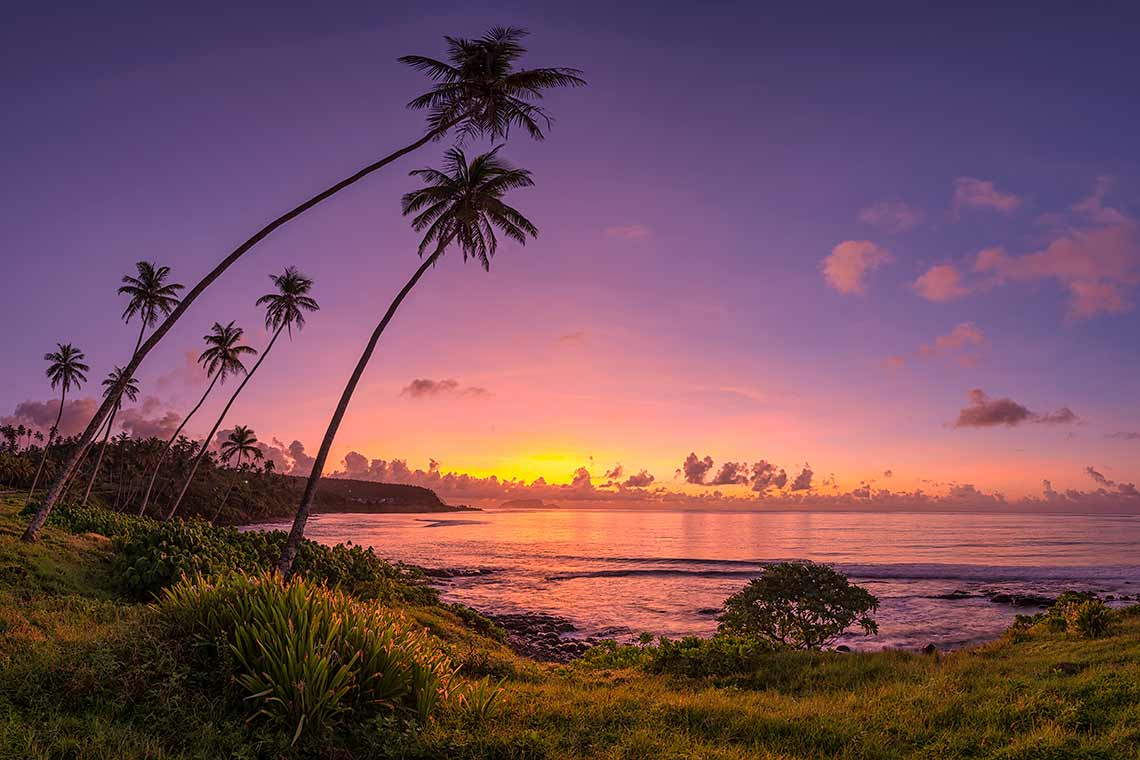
87	673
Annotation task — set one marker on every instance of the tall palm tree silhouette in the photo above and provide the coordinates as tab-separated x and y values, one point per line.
240	442
284	310
461	204
222	358
479	90
67	370
120	384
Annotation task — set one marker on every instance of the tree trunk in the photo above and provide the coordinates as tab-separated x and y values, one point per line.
297	533
227	495
41	515
47	446
99	459
173	438
222	416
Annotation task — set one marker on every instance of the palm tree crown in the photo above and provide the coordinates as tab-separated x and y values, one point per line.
223	356
118	381
241	442
288	305
480	89
149	293
463	203
66	367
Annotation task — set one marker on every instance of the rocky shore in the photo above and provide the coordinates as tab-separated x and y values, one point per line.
543	637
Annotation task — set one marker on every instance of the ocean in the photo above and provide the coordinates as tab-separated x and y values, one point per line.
617	573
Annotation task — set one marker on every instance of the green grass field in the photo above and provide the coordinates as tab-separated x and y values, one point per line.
85	673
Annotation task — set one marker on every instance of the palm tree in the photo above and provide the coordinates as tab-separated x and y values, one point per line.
240	442
284	310
120	384
461	204
221	359
150	296
479	90
65	369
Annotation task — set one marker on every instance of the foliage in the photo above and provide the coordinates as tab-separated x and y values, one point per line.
798	604
307	657
1081	613
1091	619
691	656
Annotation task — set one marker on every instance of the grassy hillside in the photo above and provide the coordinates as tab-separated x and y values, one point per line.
86	673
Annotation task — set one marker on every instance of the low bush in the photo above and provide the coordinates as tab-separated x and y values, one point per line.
1081	613
1091	619
692	656
307	657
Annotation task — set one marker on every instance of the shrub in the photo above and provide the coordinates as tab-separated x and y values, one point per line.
307	656
1090	619
692	656
798	604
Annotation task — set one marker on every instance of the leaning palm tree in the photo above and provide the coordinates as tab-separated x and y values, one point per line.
240	442
284	310
149	296
67	370
479	90
119	383
222	358
461	204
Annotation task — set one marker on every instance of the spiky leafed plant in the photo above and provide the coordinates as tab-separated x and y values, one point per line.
241	442
284	310
462	204
479	90
222	358
119	383
65	370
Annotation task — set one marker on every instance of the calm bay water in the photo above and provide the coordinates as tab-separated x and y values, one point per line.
620	572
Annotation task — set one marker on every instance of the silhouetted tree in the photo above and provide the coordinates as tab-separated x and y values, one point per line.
222	358
284	310
65	369
461	204
120	384
479	89
240	442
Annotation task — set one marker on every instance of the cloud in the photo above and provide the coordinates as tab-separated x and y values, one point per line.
766	476
803	480
894	362
731	473
892	216
888	473
302	462
847	264
957	344
628	232
940	284
1119	489
615	473
981	194
41	415
1125	435
1097	260
138	424
641	480
984	411
423	387
695	469
187	372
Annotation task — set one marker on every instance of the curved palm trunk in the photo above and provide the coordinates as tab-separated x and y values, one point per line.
53	494
47	447
202	452
99	459
297	533
227	496
166	449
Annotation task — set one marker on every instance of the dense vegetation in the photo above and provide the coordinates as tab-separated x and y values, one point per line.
86	671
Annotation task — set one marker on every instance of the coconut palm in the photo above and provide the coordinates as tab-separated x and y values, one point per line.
67	370
284	310
240	442
461	204
479	90
149	296
222	358
119	383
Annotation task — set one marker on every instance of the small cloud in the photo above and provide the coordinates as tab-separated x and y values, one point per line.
766	476
941	283
845	267
957	344
615	473
628	232
731	473
803	480
641	480
423	387
888	473
892	216
1120	489
1125	435
41	415
894	363
695	470
984	411
981	194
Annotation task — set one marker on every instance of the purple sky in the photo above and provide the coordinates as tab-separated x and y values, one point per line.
752	222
